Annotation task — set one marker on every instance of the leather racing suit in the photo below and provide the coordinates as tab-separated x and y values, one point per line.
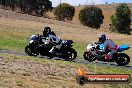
57	42
110	45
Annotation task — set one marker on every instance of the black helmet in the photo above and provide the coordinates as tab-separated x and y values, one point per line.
46	31
102	38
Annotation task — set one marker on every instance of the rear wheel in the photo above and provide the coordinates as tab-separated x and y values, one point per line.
122	59
89	57
71	55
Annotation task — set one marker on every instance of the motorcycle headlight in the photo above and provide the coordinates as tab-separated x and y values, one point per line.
31	41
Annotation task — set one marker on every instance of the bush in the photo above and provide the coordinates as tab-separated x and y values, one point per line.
91	16
64	12
121	21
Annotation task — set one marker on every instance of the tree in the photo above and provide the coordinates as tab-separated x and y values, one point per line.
91	16
64	11
40	7
121	21
12	4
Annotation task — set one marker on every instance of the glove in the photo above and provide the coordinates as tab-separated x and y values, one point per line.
97	43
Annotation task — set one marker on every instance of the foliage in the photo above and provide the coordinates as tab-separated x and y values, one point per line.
40	7
121	21
64	11
91	16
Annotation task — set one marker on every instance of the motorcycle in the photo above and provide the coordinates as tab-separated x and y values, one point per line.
66	51
36	46
92	53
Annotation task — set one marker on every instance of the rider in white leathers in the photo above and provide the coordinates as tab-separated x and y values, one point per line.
51	37
108	44
55	40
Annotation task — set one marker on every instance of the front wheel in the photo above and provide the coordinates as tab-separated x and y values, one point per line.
71	54
88	56
29	51
122	59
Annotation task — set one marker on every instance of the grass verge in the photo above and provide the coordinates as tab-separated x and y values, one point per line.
13	44
27	72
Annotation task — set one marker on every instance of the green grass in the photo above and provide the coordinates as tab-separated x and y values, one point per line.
13	43
80	48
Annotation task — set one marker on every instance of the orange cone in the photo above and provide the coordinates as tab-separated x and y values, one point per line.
82	71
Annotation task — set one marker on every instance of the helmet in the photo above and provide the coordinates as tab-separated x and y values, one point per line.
102	38
46	31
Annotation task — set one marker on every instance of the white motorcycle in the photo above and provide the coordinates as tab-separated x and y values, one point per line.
92	53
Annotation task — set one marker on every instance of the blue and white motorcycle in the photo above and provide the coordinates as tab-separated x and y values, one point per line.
92	53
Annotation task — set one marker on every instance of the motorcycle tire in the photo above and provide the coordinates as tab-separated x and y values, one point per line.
122	59
88	56
71	54
29	52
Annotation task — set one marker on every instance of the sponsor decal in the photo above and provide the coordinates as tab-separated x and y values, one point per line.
84	78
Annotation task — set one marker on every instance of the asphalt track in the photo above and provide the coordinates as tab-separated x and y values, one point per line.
82	61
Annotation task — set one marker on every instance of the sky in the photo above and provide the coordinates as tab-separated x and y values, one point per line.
88	2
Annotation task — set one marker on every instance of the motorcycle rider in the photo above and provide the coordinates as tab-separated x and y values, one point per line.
47	31
108	44
51	37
